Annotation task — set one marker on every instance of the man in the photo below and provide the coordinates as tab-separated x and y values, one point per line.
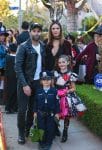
91	51
29	62
24	35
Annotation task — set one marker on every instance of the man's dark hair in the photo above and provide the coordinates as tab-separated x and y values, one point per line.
25	25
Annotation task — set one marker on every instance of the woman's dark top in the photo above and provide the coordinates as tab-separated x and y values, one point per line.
50	60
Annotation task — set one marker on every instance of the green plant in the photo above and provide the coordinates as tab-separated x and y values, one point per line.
88	22
11	22
93	115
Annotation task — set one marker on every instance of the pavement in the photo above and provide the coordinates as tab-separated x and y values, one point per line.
80	138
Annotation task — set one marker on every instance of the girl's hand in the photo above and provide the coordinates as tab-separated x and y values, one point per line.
35	115
57	116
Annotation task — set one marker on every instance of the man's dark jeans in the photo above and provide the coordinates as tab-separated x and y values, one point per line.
25	106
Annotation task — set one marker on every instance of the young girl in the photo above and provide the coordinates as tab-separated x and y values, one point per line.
46	109
65	83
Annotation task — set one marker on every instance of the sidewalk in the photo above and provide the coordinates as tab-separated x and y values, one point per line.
80	137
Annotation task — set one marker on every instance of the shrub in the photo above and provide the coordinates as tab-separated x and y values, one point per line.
93	100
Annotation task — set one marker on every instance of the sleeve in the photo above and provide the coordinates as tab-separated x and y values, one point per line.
35	105
73	77
85	52
19	64
57	103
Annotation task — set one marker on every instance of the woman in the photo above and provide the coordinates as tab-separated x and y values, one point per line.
10	39
56	45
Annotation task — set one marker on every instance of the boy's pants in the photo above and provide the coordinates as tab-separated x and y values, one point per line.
46	123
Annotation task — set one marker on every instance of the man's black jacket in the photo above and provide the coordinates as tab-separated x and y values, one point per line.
26	62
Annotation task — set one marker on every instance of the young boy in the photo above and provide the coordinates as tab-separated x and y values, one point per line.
46	110
11	81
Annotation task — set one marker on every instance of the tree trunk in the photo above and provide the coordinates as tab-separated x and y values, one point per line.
27	7
72	15
72	21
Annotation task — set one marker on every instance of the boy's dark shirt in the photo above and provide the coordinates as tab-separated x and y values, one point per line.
52	104
22	37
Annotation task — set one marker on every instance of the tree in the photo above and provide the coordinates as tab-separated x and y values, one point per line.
4	9
88	22
55	8
73	6
36	13
11	21
72	11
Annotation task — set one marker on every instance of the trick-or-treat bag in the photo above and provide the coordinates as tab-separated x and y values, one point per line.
36	134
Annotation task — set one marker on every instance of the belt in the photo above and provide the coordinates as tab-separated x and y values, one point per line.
45	113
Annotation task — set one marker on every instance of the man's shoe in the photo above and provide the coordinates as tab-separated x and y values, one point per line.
41	147
47	147
21	140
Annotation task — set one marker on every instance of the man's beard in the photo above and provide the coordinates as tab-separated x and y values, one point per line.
35	37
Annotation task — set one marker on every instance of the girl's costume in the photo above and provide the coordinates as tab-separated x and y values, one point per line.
70	104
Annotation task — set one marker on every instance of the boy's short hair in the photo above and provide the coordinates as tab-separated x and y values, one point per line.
25	25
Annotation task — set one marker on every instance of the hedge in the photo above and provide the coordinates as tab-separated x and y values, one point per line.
93	100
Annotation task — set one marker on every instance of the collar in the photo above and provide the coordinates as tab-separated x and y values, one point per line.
67	72
29	45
